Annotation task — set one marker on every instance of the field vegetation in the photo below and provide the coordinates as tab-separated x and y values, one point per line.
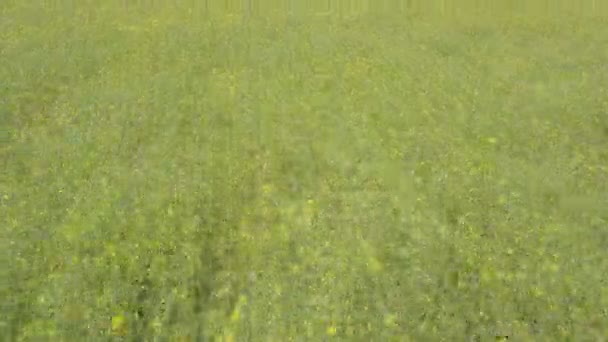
175	171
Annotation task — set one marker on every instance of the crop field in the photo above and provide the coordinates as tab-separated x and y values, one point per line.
210	171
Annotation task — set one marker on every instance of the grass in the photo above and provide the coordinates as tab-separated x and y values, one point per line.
175	176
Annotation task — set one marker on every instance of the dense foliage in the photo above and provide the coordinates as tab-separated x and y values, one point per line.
382	176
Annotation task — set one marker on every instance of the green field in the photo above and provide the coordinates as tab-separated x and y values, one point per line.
176	174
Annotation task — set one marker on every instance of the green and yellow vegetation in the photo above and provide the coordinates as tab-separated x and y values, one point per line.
177	172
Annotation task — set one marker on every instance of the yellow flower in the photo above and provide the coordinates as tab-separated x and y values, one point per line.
375	266
229	337
236	315
119	325
390	320
267	188
332	330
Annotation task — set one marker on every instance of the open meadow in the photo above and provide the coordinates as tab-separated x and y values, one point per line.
173	171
